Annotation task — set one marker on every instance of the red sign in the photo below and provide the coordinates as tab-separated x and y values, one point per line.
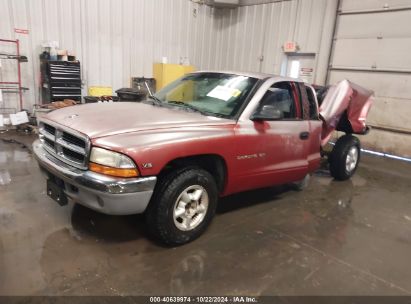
21	31
306	71
290	47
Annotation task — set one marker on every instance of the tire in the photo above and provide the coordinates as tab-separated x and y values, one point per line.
345	157
170	218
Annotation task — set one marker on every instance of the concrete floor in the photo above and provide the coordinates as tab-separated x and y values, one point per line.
334	238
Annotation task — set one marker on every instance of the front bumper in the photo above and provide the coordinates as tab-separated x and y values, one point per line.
109	195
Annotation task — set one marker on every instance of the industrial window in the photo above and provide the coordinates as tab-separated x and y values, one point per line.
281	96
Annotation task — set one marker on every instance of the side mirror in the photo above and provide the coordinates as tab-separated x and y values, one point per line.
267	113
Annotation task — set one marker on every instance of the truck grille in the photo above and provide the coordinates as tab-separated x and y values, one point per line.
64	144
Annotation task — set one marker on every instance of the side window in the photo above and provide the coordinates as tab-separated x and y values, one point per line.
280	98
313	105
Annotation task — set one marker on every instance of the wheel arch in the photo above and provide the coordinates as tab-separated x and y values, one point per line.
213	163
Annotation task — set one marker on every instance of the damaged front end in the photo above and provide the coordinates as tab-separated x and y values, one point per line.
345	108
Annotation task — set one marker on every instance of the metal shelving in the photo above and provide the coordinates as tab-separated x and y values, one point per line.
14	86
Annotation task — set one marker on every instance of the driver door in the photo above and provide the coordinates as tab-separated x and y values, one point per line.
274	150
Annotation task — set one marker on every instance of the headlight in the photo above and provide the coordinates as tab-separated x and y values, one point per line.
112	163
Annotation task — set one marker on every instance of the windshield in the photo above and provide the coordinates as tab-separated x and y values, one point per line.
215	94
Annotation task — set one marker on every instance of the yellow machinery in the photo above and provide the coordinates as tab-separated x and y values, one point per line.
100	91
164	73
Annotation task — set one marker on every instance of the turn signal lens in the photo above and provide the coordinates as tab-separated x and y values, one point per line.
117	172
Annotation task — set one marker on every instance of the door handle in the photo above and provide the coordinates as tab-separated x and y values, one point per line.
304	135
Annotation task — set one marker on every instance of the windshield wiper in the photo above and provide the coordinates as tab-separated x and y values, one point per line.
156	100
188	106
153	101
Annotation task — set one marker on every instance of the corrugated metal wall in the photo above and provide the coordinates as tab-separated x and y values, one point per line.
118	39
372	47
113	39
251	37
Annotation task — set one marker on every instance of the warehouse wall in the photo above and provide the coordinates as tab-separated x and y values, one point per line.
115	39
372	47
251	37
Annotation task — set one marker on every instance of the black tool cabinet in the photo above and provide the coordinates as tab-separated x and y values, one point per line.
61	80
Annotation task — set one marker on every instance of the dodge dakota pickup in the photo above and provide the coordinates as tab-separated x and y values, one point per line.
204	136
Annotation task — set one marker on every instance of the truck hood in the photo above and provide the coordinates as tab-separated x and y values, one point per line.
345	108
106	119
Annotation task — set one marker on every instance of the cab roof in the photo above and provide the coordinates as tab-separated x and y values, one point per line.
252	75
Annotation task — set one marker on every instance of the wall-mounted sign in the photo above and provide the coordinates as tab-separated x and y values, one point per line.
21	31
290	47
306	71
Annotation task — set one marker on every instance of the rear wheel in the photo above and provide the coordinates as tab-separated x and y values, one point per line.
345	157
182	206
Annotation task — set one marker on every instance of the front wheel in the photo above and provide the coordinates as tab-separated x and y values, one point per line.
345	157
182	206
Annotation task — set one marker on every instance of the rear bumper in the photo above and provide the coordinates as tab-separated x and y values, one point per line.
109	195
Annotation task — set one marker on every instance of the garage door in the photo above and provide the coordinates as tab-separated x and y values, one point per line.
372	47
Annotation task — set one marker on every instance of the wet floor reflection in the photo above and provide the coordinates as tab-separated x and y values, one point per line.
106	227
13	163
5	177
99	248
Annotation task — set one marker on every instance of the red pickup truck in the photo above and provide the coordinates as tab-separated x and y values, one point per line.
206	135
